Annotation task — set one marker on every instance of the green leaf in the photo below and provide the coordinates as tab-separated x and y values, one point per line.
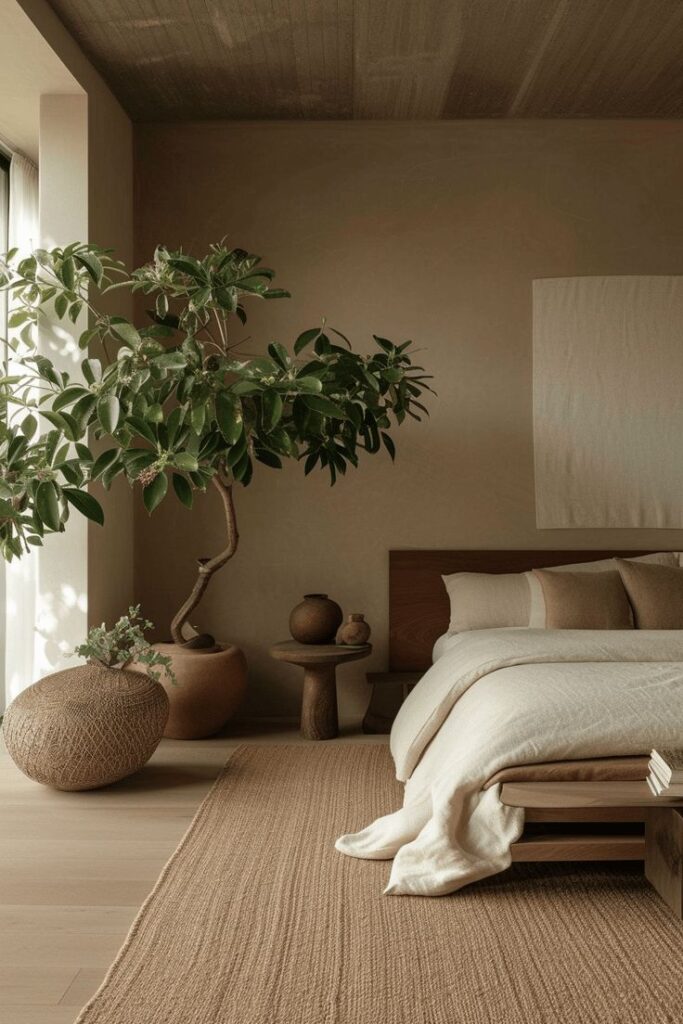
85	504
237	451
104	461
84	453
19	317
155	413
68	274
92	370
124	330
75	310
389	445
47	504
243	470
312	385
154	493
342	336
61	305
229	416
268	458
311	462
275	293
184	460
197	416
91	263
279	354
306	338
171	361
142	428
324	406
384	344
246	387
183	490
29	425
108	412
69	396
271	405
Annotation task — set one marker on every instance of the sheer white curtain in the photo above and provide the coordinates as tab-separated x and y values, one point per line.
21	580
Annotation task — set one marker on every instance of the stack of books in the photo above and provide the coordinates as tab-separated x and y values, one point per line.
666	772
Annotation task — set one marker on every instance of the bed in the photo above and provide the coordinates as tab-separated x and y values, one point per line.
560	808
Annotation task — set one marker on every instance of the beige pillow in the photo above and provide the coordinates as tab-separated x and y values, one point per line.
488	600
537	603
584	600
655	593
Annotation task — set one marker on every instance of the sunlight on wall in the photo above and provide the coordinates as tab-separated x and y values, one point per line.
47	602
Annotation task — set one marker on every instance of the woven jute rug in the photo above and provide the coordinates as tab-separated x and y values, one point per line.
258	920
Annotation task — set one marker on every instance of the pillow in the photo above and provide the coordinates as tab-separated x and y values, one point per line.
537	603
486	600
585	600
655	593
491	600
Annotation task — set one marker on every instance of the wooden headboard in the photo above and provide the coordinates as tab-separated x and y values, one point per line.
418	603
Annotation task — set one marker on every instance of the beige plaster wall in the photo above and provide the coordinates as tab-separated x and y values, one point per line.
424	231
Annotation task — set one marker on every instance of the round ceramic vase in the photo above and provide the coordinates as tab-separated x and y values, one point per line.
315	620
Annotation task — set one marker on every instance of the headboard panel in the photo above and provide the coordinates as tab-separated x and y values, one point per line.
418	603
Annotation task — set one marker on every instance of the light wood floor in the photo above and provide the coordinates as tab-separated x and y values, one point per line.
75	868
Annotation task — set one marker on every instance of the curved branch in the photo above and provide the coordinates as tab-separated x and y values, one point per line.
209	566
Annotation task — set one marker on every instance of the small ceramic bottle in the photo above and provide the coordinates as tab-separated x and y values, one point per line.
355	631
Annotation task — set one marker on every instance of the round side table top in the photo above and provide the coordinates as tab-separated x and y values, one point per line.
318	654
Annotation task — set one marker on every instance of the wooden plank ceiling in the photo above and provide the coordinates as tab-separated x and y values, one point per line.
385	59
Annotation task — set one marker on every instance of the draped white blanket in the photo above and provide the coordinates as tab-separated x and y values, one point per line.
499	698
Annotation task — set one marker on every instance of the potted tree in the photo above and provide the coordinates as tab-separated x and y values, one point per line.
178	410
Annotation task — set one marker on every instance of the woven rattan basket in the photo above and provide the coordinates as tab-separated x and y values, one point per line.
86	727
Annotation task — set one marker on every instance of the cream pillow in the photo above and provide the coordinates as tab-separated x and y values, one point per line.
486	600
537	611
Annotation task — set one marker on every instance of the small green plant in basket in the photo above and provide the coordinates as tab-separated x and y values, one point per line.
125	644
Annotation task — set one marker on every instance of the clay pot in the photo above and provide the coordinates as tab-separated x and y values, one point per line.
355	631
315	620
85	727
211	683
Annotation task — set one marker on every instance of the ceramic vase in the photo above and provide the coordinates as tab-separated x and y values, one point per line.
315	620
355	631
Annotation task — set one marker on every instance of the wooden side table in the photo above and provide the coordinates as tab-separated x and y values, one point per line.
319	719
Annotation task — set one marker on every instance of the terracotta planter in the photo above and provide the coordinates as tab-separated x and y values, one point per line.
211	686
85	727
315	620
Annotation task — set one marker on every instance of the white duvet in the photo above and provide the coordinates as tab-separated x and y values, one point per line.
503	697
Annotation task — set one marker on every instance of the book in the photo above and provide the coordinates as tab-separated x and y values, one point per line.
668	763
659	788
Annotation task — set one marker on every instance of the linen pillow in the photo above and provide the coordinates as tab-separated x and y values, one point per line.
486	600
491	600
536	600
585	600
655	593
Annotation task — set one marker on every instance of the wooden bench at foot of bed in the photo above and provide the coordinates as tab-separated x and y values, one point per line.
578	821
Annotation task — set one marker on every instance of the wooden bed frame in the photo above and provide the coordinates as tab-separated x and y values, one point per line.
565	820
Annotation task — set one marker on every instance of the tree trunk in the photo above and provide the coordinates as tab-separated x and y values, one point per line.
208	566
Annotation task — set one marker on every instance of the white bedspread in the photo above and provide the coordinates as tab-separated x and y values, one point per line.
499	698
